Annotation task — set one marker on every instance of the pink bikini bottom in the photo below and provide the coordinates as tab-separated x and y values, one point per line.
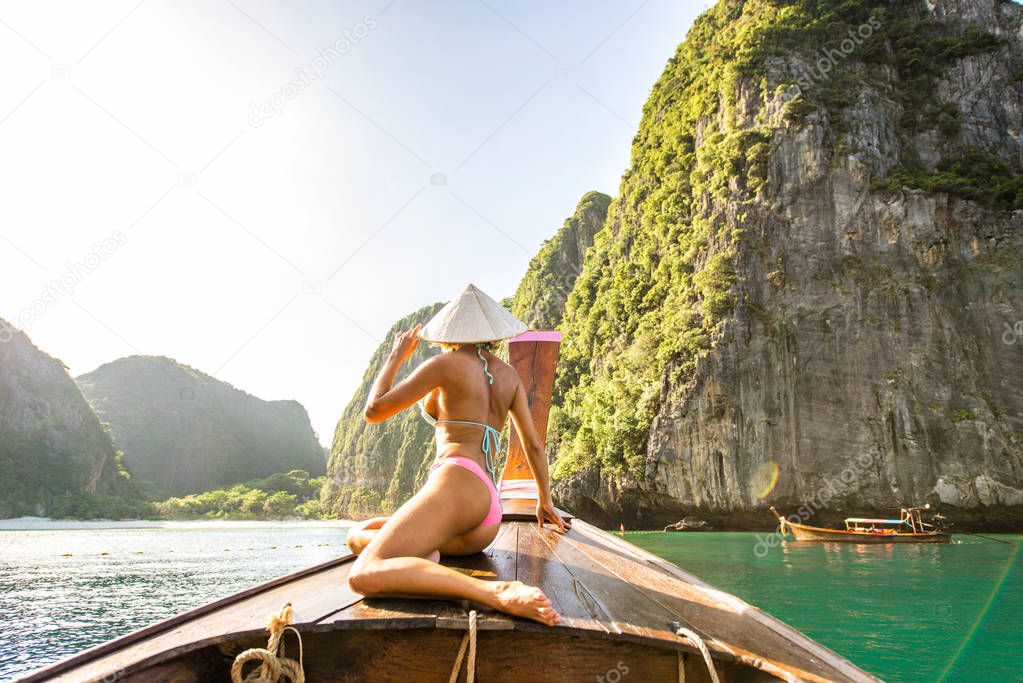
494	516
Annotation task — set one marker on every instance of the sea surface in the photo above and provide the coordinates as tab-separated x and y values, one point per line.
905	613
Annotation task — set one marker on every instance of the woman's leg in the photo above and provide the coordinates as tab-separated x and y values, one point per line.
452	502
362	533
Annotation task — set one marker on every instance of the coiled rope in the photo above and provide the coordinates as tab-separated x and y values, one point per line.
273	664
469	639
698	642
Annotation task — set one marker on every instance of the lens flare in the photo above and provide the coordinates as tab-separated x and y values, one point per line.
765	478
981	616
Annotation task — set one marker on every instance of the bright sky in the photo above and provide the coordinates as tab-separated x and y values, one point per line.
182	198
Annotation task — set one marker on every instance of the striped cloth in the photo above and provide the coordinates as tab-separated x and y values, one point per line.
519	488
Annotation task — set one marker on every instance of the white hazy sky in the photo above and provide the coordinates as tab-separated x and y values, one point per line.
276	256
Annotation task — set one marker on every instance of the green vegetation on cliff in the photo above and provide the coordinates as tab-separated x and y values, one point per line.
832	49
539	300
279	496
657	281
662	276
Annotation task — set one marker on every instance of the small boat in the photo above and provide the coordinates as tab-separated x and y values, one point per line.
626	613
909	528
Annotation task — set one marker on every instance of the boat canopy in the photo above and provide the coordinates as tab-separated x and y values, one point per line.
868	520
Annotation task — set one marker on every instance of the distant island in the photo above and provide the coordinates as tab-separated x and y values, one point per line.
147	438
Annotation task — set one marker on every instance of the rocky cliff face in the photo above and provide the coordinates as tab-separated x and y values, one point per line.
52	445
375	468
184	431
808	293
540	298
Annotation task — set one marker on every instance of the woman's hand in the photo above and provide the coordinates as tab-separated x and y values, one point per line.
405	344
546	512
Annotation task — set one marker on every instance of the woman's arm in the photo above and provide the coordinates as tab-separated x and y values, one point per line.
385	400
536	456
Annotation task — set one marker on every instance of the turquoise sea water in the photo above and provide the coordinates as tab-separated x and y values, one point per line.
906	613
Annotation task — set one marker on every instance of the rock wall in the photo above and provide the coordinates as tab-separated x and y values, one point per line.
540	298
183	431
52	445
868	359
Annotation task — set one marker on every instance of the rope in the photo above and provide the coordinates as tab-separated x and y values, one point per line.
273	664
698	642
469	639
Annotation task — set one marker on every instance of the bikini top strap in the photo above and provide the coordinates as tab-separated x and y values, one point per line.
491	439
486	365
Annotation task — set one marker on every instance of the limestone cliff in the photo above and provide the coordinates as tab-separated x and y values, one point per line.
808	290
52	445
183	431
540	298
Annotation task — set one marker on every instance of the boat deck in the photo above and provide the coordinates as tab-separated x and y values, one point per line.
611	594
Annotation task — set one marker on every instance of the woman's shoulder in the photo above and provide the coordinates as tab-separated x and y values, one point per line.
508	373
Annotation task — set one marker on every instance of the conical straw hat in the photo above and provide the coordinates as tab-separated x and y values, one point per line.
470	318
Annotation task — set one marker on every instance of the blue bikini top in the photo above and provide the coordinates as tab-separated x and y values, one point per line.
491	445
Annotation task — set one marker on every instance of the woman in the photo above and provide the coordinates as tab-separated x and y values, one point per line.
467	393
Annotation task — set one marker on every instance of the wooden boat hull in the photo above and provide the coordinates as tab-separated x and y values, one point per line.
809	533
805	532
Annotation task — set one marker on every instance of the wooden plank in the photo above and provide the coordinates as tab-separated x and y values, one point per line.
311	596
538	566
397	656
497	562
627	610
198	667
428	656
534	355
554	657
535	362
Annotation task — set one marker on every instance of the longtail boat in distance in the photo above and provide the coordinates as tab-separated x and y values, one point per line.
625	613
910	528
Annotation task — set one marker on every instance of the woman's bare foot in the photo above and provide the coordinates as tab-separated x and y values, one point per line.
434	556
515	597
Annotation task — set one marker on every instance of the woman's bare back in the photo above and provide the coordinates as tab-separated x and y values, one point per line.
465	393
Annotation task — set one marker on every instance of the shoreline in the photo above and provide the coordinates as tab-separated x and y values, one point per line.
49	524
46	523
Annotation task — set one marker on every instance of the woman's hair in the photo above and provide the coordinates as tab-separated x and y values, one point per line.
490	346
